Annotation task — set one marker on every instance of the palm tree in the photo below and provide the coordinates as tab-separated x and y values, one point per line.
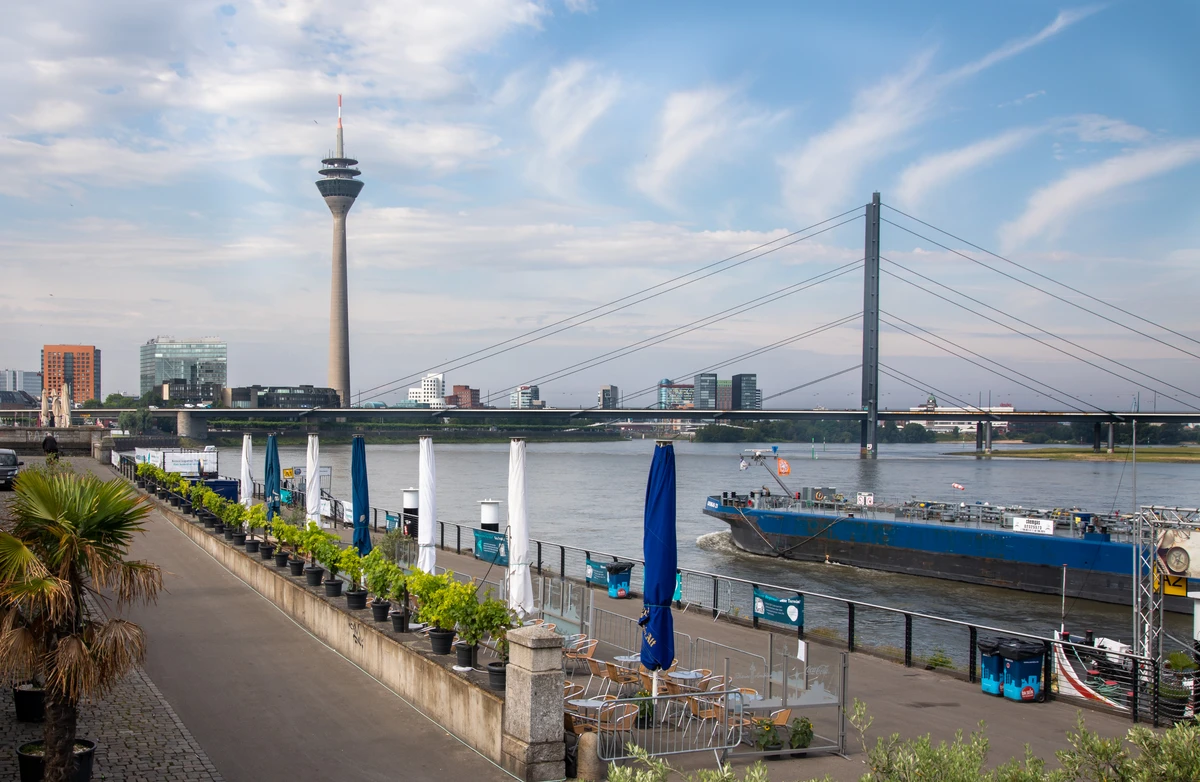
63	557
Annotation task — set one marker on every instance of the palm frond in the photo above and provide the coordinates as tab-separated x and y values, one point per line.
118	646
73	672
17	560
137	580
20	650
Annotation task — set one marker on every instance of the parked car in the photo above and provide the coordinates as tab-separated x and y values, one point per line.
9	467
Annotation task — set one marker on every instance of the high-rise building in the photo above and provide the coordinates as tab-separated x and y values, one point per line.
672	396
76	365
608	398
724	394
286	397
706	391
758	399
431	393
745	392
464	397
196	362
27	380
525	398
339	188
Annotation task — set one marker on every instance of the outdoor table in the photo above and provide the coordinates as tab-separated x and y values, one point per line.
628	659
685	676
589	704
811	697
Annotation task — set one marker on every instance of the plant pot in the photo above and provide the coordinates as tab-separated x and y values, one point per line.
465	654
252	546
162	493
773	748
295	567
266	550
379	610
174	500
333	587
239	538
281	558
440	640
218	528
30	703
227	531
313	575
207	519
185	507
356	599
141	484
399	621
32	764
497	675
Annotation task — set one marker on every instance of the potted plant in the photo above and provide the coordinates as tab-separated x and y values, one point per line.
399	595
497	619
310	540
800	734
288	535
142	469
330	555
233	516
378	572
645	704
31	760
215	505
29	701
352	566
432	593
766	737
256	518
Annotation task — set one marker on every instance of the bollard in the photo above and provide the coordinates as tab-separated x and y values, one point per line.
589	766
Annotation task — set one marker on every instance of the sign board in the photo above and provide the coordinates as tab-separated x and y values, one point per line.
1173	585
493	547
1035	526
289	473
784	610
596	572
1179	553
802	652
299	473
326	509
866	498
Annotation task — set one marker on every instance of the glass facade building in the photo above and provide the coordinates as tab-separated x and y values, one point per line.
706	391
194	361
745	392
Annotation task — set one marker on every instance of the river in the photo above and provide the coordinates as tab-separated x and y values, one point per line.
590	495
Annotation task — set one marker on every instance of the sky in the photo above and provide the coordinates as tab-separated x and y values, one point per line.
529	161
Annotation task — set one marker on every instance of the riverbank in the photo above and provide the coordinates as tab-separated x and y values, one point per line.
1179	454
234	438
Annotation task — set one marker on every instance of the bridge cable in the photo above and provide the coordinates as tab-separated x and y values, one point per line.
1044	277
1044	331
813	382
926	388
1043	290
597	308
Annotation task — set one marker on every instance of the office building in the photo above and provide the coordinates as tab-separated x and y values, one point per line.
758	399
431	393
745	392
76	365
27	380
673	396
464	398
525	398
705	397
17	400
608	398
285	397
965	425
192	362
181	392
724	394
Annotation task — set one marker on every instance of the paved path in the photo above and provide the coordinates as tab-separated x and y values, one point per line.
267	700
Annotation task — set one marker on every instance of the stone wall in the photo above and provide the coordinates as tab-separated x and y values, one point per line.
73	441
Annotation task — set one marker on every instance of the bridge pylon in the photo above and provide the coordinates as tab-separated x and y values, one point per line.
869	439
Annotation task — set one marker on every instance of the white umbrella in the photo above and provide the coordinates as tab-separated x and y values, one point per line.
312	480
246	492
45	420
427	511
63	419
520	585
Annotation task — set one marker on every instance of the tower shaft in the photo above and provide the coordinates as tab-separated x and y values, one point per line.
339	310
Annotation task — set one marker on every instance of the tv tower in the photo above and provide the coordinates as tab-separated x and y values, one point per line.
339	188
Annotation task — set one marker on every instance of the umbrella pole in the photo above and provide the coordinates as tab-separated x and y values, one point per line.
654	692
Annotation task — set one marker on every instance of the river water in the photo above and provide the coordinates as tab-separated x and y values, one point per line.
590	495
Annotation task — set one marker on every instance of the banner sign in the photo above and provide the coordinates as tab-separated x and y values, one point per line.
492	547
865	498
190	464
298	473
326	509
1036	526
596	572
783	610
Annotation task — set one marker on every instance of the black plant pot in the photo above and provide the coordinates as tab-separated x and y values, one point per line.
281	558
185	507
207	519
30	703
465	654
174	500
32	766
252	546
356	600
141	484
379	610
267	550
333	587
313	575
441	640
228	531
399	621
497	675
218	528
161	492
296	567
773	748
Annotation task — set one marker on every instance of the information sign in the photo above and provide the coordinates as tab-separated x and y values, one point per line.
491	547
784	610
1035	526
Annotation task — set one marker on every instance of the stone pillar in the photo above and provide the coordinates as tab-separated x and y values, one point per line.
532	746
1096	437
1111	436
189	427
987	436
978	436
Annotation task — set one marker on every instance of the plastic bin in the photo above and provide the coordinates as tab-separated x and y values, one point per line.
226	488
619	573
991	676
1022	669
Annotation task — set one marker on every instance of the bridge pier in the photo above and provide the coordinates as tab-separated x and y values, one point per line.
987	436
1111	435
189	427
1096	437
979	437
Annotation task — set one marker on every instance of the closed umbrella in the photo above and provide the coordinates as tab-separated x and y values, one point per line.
520	584
312	481
271	478
246	487
659	552
427	512
360	504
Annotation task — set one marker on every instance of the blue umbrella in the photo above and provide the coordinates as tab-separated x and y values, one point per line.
271	478
361	503
658	548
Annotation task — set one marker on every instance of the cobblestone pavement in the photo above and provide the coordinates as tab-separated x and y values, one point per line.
138	737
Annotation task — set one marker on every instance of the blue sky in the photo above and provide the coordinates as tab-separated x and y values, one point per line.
525	161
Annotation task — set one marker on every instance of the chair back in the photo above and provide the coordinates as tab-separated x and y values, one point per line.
782	717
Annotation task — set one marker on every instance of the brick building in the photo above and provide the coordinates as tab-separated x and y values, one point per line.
76	365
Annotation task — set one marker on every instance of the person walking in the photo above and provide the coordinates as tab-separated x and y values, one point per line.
50	448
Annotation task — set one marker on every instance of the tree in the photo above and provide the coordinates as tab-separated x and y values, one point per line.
135	421
92	404
71	541
120	400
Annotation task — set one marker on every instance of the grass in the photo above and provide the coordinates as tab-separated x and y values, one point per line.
1148	453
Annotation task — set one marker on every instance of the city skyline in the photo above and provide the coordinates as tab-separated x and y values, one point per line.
501	200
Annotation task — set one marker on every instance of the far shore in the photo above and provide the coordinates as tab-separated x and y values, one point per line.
1147	453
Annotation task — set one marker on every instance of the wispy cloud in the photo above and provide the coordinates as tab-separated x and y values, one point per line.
936	170
822	175
580	6
1050	206
574	98
1096	128
1023	99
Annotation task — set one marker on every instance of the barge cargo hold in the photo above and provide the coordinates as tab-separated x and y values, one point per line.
1098	567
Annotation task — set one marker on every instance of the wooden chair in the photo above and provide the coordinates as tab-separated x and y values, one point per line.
781	717
582	651
729	716
702	709
711	683
647	680
575	725
598	669
704	672
571	691
748	691
616	720
620	676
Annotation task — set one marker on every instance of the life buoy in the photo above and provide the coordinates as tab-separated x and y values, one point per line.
819	497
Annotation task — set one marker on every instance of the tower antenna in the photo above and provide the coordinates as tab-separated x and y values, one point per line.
339	130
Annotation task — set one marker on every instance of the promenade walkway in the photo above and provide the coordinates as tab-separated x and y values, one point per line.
265	699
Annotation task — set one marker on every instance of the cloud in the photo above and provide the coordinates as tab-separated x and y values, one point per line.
1023	99
580	6
1096	128
1049	207
574	97
936	170
821	177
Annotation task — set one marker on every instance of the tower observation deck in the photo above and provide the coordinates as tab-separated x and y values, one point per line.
339	188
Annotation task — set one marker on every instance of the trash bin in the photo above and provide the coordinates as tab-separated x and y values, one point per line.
1022	669
991	666
618	578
